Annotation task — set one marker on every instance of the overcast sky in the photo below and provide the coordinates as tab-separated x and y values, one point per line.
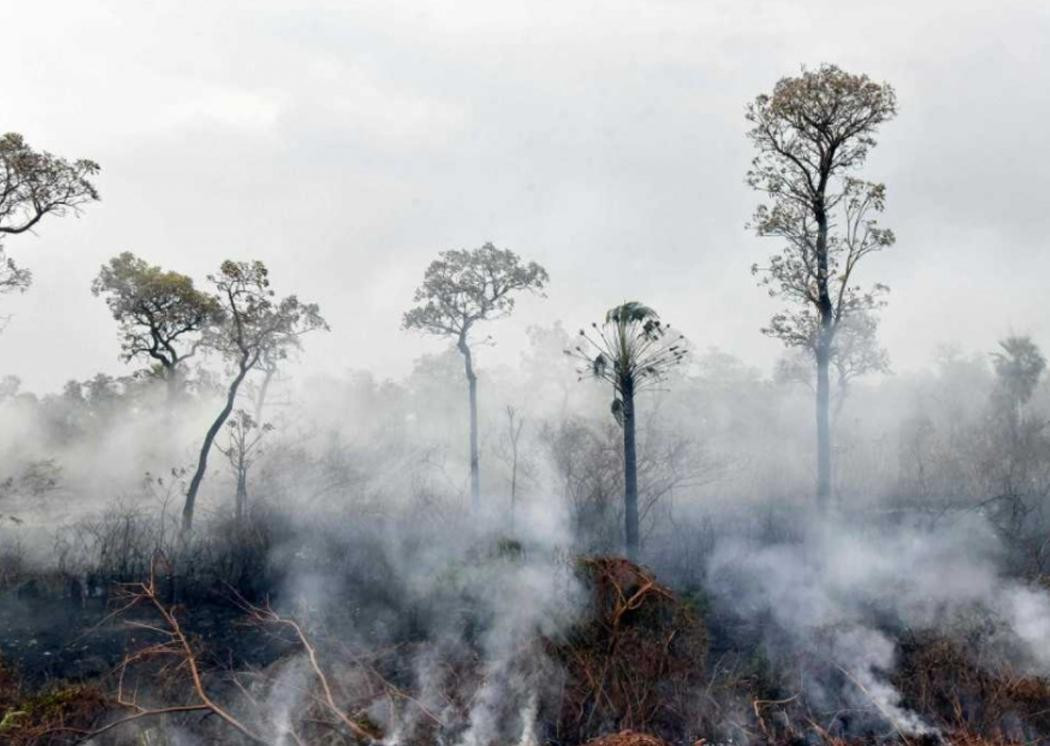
345	143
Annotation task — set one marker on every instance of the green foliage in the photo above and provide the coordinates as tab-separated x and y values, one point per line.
159	311
45	716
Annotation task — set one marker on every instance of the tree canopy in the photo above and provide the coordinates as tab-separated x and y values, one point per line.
463	286
161	314
812	131
632	349
1018	368
460	288
34	184
254	324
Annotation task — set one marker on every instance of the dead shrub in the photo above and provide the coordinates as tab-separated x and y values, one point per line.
984	701
637	660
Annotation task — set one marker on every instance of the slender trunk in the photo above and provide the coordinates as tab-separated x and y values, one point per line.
242	493
838	401
513	484
167	439
630	473
260	399
171	378
823	355
823	431
209	438
472	386
514	426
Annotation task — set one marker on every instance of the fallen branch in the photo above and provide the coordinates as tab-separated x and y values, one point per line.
178	646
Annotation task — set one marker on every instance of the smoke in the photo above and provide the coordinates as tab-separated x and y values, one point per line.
841	596
363	534
464	603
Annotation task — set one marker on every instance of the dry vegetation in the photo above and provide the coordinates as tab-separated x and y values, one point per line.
633	670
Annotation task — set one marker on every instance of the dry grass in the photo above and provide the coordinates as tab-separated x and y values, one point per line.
977	699
57	714
627	738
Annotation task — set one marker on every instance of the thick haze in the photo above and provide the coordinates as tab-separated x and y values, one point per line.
345	143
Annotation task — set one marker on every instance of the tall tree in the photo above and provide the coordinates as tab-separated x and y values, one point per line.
162	316
810	134
255	325
34	184
461	288
1014	462
632	350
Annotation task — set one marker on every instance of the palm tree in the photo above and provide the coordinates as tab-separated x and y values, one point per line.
1018	369
632	349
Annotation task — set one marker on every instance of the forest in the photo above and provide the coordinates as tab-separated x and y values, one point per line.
626	537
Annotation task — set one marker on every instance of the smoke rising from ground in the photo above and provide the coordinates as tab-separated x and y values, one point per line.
362	489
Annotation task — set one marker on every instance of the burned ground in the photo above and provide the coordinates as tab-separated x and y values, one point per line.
640	663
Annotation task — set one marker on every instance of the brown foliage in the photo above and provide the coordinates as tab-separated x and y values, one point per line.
627	738
635	663
980	701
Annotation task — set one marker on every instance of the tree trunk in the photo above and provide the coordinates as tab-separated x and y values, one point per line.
242	493
630	473
209	438
260	399
513	485
171	377
823	429
823	355
472	386
514	427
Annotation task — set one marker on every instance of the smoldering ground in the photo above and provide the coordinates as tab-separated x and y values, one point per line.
432	626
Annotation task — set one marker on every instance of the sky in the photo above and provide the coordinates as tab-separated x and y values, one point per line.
346	143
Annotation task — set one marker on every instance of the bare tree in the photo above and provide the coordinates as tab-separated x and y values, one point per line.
461	288
810	133
515	424
254	325
162	316
242	448
34	184
631	350
268	366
